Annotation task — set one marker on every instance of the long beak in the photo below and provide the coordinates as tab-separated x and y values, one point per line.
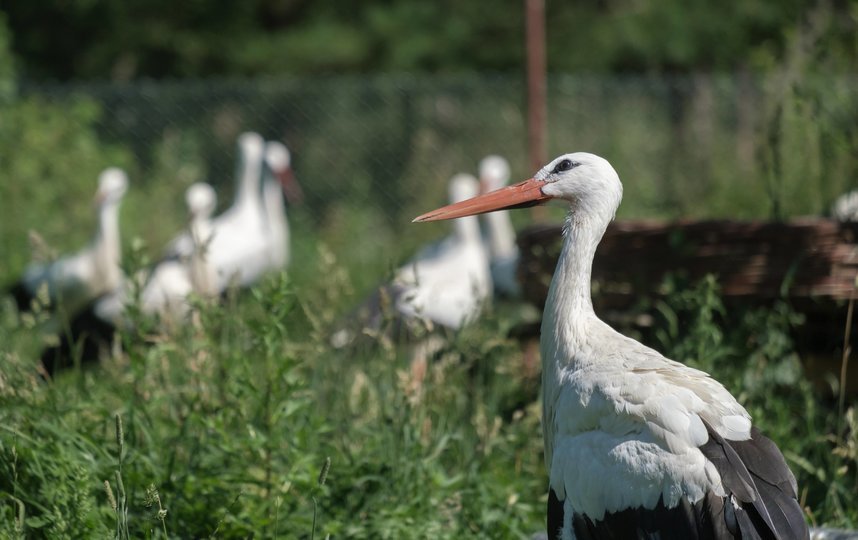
99	198
521	195
291	187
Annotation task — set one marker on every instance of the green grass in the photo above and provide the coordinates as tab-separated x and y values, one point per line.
228	423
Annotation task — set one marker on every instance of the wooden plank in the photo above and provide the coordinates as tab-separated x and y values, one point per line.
809	258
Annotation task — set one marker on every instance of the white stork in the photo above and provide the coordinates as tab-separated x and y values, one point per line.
636	445
165	290
168	284
74	281
172	281
494	174
238	250
446	283
278	179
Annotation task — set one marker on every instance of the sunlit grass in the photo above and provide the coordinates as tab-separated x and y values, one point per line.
230	421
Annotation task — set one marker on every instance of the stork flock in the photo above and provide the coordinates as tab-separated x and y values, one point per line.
636	445
89	294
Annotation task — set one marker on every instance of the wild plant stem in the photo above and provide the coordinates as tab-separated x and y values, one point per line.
844	365
313	530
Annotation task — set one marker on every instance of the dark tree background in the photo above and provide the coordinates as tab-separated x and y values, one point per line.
132	39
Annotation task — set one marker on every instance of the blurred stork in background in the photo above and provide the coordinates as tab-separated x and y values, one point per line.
238	248
168	284
252	236
278	179
76	280
448	283
165	290
445	284
494	174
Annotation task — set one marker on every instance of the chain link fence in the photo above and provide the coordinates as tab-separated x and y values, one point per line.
372	152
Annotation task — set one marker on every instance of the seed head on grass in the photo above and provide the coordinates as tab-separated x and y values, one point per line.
120	437
152	498
323	474
111	499
20	517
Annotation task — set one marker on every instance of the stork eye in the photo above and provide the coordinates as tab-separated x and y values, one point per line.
564	165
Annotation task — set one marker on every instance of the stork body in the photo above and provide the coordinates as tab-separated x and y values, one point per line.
238	251
448	282
636	445
166	287
445	284
76	280
165	290
173	280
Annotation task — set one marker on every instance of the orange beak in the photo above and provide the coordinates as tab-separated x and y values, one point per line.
521	195
291	187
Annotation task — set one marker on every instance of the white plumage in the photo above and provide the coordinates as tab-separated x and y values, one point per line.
845	207
445	284
238	251
636	445
167	286
277	178
74	281
448	283
172	281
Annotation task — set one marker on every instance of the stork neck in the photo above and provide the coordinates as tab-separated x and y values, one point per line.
200	268
106	243
467	229
247	191
569	307
501	235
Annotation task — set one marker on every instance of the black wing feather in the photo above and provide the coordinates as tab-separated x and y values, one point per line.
555	516
682	522
760	503
22	296
770	508
86	337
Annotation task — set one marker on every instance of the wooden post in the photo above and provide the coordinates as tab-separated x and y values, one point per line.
534	17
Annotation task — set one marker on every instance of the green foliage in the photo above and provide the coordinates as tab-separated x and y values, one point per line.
752	354
247	422
7	65
232	418
51	157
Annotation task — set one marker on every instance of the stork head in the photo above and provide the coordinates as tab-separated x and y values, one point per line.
587	182
278	159
277	156
112	185
251	146
201	200
494	173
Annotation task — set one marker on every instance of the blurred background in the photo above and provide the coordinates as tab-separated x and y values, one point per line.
740	111
736	110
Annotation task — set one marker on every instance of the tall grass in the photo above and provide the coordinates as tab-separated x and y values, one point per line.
221	428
